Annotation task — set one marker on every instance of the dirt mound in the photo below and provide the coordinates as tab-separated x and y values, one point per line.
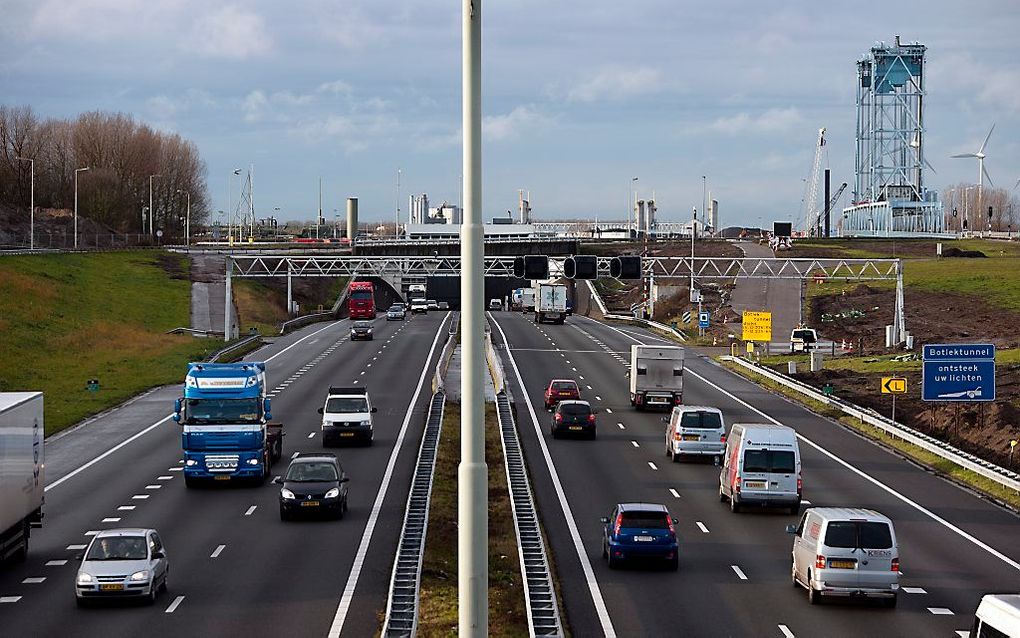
956	252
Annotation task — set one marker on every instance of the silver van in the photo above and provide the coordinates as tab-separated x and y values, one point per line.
761	466
997	616
846	552
695	431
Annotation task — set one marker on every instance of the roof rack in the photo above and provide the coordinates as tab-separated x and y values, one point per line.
333	389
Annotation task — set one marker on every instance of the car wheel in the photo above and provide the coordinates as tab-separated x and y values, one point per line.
153	592
890	602
80	602
554	433
734	505
345	505
795	509
722	495
284	514
793	574
190	481
613	563
594	435
674	564
813	596
675	457
605	554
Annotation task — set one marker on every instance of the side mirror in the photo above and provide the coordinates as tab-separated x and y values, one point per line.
277	480
345	479
676	521
158	555
177	409
320	410
267	408
605	519
791	529
176	417
375	409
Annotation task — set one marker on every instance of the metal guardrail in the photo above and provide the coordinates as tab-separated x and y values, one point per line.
539	593
194	332
644	322
304	320
997	473
495	367
438	378
234	346
405	581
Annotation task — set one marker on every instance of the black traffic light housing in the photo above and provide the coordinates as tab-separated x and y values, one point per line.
625	267
581	267
531	267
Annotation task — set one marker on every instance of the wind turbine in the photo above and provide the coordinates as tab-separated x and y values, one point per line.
980	155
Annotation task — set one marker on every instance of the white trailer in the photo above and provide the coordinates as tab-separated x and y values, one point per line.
21	471
656	376
527	299
551	303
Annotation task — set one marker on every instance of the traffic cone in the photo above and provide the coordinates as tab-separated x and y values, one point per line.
842	344
715	341
850	345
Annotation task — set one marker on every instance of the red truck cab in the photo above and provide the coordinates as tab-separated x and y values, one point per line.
361	300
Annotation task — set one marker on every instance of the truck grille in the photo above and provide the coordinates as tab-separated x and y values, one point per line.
221	462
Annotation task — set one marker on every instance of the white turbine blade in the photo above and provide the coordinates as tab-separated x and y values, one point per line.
928	164
987	176
1017	184
965	155
985	143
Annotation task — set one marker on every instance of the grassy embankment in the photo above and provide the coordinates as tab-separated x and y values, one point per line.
438	610
65	319
937	463
264	307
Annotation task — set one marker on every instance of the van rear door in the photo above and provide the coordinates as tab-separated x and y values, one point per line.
771	473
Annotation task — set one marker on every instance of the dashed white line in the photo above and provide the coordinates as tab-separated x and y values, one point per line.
598	398
164	478
581	377
674	492
701	526
56	563
33	581
609	410
740	574
174	605
216	552
111	519
92	532
174	469
153	487
250	510
786	631
76	547
621	426
652	465
294	455
140	497
311	435
587	386
126	508
941	611
914	590
9	599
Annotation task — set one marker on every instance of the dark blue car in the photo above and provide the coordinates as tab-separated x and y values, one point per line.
640	531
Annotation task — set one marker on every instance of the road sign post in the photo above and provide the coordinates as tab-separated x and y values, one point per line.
757	326
958	372
894	386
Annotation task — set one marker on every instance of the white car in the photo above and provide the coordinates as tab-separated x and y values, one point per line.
419	305
122	563
347	416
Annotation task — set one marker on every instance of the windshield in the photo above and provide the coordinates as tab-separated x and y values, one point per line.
346	404
310	471
361	295
645	520
854	534
210	411
780	461
564	385
701	420
118	548
575	409
362	324
396	307
804	335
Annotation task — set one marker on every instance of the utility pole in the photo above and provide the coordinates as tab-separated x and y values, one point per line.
396	225
76	171
31	206
472	473
152	211
187	219
318	220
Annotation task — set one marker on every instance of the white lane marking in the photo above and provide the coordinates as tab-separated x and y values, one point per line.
155	425
250	510
311	434
153	487
216	552
598	398
33	581
652	465
164	478
804	501
622	426
362	372
92	532
366	538
355	381
125	508
588	386
786	631
609	411
574	369
9	599
55	563
581	377
294	455
674	492
111	519
914	590
962	633
701	526
582	554
140	497
635	444
740	574
76	547
917	506
174	469
941	611
174	605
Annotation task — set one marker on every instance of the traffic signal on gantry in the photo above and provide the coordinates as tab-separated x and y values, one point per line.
625	267
581	267
531	267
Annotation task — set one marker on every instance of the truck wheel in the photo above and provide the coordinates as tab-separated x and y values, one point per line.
190	481
21	555
722	495
734	505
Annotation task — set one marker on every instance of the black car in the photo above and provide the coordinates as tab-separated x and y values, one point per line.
314	484
573	417
361	330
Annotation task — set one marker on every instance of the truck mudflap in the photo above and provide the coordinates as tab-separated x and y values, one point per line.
274	440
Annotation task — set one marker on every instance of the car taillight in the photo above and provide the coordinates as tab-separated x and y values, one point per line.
558	417
639	399
722	439
895	565
591	418
618	525
672	530
800	485
677	436
677	400
736	484
819	562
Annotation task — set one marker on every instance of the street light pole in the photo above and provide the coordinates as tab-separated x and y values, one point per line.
152	211
631	204
76	171
472	473
704	196
31	222
396	225
187	219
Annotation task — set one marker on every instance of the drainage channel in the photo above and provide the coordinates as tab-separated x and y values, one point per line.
539	594
405	582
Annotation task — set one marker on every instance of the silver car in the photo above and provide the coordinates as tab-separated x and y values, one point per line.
695	431
122	563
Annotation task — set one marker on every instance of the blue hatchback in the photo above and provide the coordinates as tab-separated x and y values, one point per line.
640	531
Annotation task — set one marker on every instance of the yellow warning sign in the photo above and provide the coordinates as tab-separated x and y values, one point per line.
757	326
894	385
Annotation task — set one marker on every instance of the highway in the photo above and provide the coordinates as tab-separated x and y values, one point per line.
782	297
734	577
235	568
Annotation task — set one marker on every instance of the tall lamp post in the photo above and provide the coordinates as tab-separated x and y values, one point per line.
31	206
704	196
152	211
631	203
187	218
76	171
396	225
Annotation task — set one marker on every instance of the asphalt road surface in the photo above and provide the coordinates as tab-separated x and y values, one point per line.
779	296
734	577
235	568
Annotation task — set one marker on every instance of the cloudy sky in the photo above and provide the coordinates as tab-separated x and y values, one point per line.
579	95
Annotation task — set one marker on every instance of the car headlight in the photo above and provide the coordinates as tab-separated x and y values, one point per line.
253	461
85	579
287	494
333	493
140	576
366	424
191	462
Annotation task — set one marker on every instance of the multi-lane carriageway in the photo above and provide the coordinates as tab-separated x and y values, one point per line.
236	568
734	577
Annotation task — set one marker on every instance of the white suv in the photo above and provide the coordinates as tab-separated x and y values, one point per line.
347	416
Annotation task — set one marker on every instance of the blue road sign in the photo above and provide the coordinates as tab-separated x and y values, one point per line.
958	372
703	319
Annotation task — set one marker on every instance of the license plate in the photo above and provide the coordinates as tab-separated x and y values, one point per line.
657	400
347	434
564	394
221	477
574	427
112	587
691	437
309	503
842	564
644	539
757	485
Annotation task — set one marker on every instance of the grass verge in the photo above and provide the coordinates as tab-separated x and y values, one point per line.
259	306
438	610
912	452
65	319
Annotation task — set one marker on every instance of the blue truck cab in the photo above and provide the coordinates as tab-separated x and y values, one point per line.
225	418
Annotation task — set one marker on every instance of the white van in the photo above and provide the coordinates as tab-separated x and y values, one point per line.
693	430
761	466
846	552
997	616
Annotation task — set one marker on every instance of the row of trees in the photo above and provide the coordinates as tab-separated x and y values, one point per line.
973	205
121	155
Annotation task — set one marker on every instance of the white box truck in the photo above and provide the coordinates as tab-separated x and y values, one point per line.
551	303
527	299
656	376
21	471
